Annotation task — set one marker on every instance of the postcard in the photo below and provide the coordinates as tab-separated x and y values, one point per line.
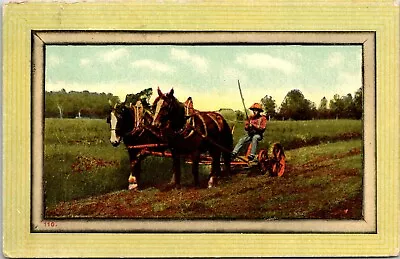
161	128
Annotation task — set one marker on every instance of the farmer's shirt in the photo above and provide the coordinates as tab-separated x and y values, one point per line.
258	124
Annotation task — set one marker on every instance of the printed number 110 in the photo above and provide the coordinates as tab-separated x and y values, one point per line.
50	224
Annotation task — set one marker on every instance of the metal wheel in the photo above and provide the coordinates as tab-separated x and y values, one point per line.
278	167
263	160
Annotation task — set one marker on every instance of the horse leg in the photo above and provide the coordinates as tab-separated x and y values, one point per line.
227	163
135	167
215	168
176	169
134	178
195	167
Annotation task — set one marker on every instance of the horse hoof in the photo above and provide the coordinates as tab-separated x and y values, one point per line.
133	186
211	182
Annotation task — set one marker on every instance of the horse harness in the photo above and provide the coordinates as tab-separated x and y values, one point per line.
138	114
190	126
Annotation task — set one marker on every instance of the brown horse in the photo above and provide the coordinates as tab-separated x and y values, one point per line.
128	123
189	132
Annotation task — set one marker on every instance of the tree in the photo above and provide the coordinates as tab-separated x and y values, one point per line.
323	111
310	109
296	107
144	96
347	106
269	105
60	99
68	105
358	104
336	106
51	105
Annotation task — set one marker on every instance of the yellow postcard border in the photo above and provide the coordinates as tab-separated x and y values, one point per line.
19	20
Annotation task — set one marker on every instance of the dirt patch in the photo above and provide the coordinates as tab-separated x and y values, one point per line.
348	209
87	163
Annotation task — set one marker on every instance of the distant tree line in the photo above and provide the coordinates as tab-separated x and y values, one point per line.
296	107
62	104
85	104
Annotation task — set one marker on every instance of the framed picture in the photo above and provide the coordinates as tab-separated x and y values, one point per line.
172	86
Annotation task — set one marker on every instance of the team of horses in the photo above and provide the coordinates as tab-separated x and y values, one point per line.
174	126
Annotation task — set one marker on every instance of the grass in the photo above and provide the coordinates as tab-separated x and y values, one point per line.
295	134
79	161
324	170
318	187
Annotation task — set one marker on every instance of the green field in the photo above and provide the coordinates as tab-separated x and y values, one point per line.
295	134
324	159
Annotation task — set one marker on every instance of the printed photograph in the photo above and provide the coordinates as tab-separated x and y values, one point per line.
203	131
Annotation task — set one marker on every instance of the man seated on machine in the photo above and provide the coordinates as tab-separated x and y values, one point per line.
255	126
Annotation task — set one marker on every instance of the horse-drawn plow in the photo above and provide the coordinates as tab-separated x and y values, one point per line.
273	164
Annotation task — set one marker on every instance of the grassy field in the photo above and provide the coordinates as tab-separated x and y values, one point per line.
295	134
323	178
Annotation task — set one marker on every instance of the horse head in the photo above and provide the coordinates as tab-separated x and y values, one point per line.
167	108
121	122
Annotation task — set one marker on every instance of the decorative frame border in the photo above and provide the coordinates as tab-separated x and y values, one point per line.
21	21
41	39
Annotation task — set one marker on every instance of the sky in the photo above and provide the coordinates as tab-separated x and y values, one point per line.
207	73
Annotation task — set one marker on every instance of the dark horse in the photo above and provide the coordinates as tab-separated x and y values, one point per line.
190	134
128	123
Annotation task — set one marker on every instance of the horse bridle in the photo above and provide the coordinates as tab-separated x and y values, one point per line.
118	117
168	106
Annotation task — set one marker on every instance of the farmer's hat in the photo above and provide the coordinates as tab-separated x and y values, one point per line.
256	106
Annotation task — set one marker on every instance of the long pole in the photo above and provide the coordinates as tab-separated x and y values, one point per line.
241	95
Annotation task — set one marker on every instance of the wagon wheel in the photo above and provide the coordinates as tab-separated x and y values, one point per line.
263	160
278	166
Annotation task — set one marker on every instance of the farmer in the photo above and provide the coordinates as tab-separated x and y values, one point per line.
255	126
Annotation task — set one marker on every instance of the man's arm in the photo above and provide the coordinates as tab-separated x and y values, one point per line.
259	125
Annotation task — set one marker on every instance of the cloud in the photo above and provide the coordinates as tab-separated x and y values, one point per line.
348	80
113	54
230	74
84	62
153	65
54	60
198	62
265	61
335	59
348	83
